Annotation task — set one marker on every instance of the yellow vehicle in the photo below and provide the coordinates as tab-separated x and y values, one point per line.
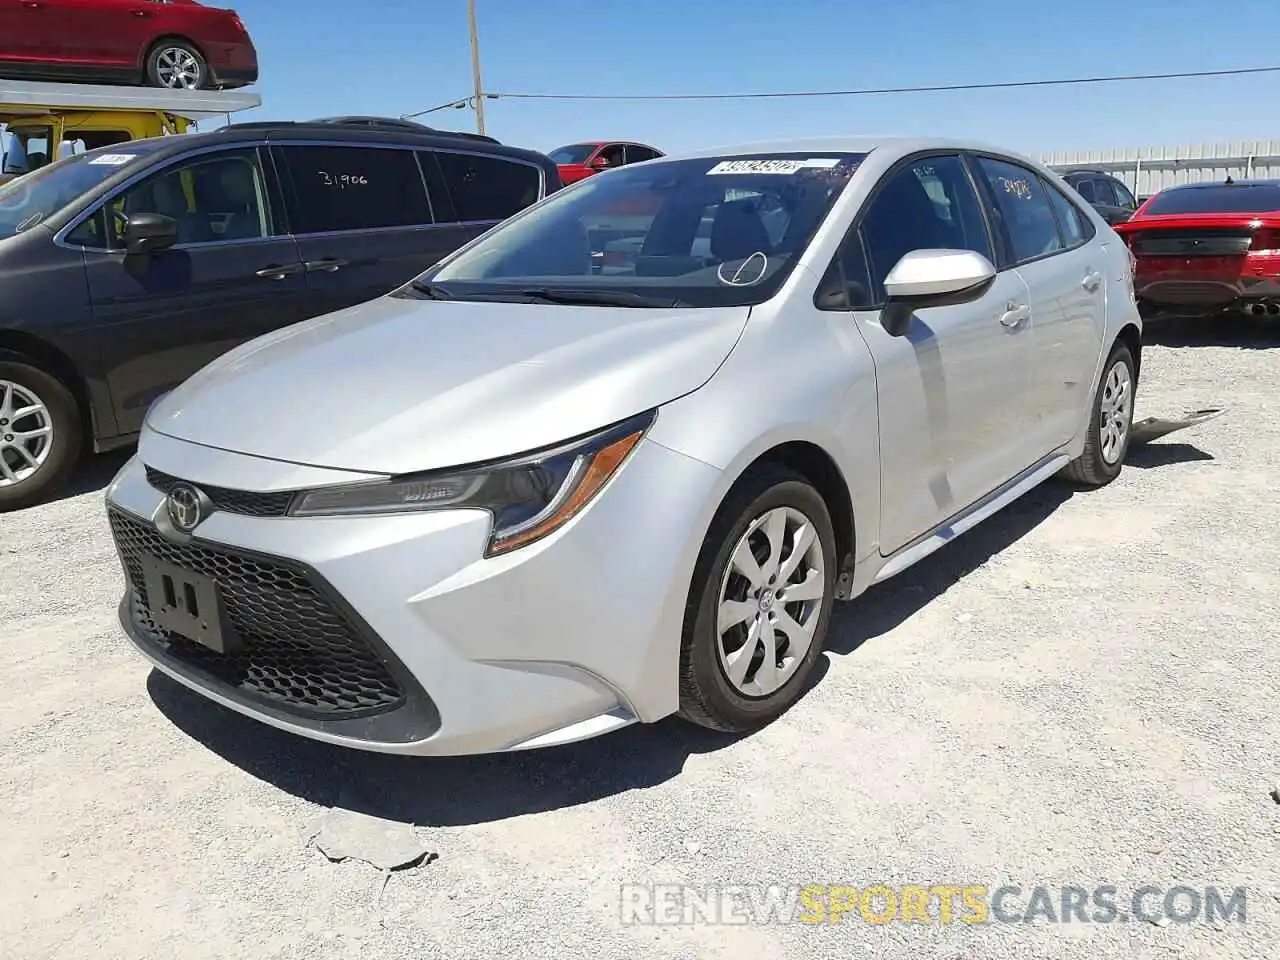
35	139
46	121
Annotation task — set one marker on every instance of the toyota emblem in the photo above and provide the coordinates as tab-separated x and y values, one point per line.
185	506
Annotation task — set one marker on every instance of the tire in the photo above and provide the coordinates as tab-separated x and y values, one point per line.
708	696
177	65
1102	459
21	384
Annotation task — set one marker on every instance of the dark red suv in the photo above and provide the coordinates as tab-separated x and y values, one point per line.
178	44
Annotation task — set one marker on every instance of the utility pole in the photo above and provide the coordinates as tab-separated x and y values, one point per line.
477	86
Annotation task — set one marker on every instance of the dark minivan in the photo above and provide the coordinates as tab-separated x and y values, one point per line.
124	270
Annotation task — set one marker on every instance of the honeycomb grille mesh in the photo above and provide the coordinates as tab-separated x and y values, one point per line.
300	653
244	502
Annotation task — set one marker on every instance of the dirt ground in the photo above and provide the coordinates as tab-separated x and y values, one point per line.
1082	691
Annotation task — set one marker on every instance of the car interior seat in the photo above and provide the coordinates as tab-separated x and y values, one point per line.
236	192
737	232
901	219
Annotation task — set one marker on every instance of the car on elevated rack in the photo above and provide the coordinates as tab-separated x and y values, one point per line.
1208	248
123	270
520	502
178	44
577	161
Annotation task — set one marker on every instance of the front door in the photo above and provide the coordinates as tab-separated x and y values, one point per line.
1048	241
950	391
229	278
363	220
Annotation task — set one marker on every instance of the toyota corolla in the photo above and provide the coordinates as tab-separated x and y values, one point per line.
521	501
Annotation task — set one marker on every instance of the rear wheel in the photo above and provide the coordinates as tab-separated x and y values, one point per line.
759	605
40	433
177	65
1107	441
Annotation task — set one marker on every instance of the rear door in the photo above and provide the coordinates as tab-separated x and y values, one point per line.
101	33
362	219
1064	273
233	275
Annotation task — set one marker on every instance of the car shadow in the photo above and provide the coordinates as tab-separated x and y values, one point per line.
1223	330
454	791
1159	454
91	475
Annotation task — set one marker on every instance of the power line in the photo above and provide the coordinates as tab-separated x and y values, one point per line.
868	91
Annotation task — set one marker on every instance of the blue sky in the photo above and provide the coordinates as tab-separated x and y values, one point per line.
389	57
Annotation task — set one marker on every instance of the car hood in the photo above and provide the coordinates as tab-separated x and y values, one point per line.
400	385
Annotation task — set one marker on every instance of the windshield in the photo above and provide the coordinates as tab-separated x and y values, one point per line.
705	232
1237	198
574	153
33	198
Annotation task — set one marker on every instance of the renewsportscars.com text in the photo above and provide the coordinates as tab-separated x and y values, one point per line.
934	903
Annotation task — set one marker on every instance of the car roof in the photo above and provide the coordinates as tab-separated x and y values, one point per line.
1205	184
896	145
349	131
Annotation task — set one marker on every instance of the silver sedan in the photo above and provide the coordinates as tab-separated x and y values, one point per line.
523	501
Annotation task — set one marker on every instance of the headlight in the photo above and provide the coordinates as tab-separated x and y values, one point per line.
529	497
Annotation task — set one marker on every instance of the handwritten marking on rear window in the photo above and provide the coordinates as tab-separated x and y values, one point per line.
1019	188
785	167
343	180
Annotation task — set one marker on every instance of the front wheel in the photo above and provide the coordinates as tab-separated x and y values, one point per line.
177	65
40	434
1107	441
759	605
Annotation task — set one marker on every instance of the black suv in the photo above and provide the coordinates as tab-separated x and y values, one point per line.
124	270
1105	193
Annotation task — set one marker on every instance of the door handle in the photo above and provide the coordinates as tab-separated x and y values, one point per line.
1015	315
142	13
33	4
327	265
1091	280
277	271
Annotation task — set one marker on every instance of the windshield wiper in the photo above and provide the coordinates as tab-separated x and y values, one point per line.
430	291
601	298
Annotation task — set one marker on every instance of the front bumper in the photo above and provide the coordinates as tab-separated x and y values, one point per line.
395	634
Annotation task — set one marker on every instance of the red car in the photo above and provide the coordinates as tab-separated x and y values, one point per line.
577	161
1207	248
178	44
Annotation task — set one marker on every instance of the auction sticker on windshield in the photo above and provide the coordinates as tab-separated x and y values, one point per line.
113	159
770	166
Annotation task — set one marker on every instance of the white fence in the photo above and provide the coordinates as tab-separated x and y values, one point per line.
1147	170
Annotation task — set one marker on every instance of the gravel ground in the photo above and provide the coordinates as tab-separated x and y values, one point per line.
1082	691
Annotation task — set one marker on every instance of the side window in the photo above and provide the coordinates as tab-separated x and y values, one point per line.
1123	197
91	232
1023	207
638	154
1102	190
1085	188
213	197
1075	229
847	284
614	153
489	188
355	188
929	205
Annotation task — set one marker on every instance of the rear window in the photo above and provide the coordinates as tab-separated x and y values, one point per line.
1236	198
488	188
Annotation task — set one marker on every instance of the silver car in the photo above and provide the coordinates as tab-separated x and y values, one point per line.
521	502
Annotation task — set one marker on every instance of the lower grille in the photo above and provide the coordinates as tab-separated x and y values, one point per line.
244	502
300	653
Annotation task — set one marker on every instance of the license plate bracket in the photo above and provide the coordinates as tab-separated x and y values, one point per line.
190	605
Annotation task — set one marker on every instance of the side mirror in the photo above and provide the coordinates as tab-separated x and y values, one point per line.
146	233
932	278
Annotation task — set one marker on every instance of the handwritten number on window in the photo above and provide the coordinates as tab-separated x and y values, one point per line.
341	181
